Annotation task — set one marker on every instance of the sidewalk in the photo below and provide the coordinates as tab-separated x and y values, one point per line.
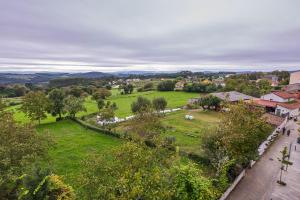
260	181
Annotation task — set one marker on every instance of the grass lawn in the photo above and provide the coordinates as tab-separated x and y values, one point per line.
175	99
74	143
188	132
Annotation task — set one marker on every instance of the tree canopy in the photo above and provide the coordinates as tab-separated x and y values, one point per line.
35	105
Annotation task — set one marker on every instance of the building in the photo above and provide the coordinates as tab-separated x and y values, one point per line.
279	96
288	109
274	120
292	87
269	106
295	77
232	96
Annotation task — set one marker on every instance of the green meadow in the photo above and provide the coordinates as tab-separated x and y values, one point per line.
73	143
188	133
175	99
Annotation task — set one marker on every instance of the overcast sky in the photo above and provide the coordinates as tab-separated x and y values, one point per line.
110	35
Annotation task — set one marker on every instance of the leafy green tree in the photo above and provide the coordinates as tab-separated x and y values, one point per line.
137	171
166	86
107	114
74	105
50	187
264	86
114	106
159	104
209	102
20	147
56	98
101	93
191	185
100	104
240	132
134	172
2	105
35	105
76	91
127	88
145	126
141	105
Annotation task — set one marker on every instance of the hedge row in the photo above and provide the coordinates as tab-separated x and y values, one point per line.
97	129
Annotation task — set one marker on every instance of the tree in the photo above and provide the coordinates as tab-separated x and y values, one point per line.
42	186
35	105
76	91
107	114
73	105
166	86
127	88
20	147
240	132
2	105
100	104
190	184
284	160
101	93
148	86
146	126
159	104
209	102
264	86
56	98
137	172
141	105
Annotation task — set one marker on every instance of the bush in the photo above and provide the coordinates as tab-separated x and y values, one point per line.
166	86
100	130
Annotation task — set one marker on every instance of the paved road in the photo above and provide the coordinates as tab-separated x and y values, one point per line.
260	181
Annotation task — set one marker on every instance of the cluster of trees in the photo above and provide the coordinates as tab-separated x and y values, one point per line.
144	168
15	90
251	85
241	131
147	87
168	85
127	88
21	150
137	171
248	87
143	104
209	102
200	88
36	105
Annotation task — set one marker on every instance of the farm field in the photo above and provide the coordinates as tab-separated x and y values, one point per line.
188	133
74	143
174	98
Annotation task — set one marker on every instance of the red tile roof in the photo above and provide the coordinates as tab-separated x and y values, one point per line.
273	119
284	95
290	105
265	103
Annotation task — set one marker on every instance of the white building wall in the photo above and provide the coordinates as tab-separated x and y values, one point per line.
295	77
282	111
273	97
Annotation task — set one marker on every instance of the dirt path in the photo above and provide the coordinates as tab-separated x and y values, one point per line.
260	181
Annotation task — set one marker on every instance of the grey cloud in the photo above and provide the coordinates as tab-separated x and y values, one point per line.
161	34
